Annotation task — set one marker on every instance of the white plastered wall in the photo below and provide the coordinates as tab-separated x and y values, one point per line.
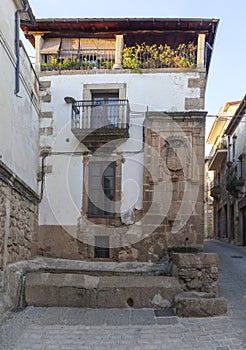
19	120
155	92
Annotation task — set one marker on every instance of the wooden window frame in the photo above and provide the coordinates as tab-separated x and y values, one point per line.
101	211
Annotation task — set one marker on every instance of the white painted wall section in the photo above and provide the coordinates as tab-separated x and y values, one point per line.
158	92
19	118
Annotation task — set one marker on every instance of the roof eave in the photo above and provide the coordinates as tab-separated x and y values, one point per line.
237	117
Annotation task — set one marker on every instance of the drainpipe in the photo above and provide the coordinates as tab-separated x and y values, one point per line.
17	47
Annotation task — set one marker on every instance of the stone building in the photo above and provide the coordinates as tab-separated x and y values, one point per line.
19	137
105	139
208	203
236	175
121	135
227	135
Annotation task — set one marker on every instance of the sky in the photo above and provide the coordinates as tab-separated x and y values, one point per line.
227	74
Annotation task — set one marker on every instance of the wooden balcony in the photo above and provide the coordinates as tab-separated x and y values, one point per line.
96	123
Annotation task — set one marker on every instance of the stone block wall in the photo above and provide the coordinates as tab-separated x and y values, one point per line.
173	196
18	220
197	272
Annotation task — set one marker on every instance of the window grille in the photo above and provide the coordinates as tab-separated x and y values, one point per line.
101	247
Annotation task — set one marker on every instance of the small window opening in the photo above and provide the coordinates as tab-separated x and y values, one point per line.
101	247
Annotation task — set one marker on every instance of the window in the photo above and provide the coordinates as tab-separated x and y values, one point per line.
101	249
241	166
101	201
219	223
105	112
219	178
232	223
226	221
234	146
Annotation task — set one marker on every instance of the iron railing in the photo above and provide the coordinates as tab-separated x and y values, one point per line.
100	114
136	57
147	57
80	59
221	145
215	189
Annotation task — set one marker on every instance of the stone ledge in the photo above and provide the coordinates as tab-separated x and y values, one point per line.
82	290
93	284
43	264
44	74
194	304
17	273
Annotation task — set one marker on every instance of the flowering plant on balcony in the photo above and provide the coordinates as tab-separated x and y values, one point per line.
143	56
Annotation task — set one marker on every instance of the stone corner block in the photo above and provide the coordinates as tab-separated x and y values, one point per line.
44	85
187	260
46	98
194	103
46	114
197	304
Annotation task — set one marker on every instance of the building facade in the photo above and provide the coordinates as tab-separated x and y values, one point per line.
121	136
236	174
19	137
209	232
227	135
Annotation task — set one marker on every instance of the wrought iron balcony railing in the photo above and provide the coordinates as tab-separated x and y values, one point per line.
92	115
138	57
234	183
80	60
215	190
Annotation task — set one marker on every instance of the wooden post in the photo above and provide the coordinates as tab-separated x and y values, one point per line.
118	51
201	51
38	45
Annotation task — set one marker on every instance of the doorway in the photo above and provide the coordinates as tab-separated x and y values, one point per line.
105	110
244	226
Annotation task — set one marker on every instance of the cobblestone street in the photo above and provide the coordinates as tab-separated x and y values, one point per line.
111	329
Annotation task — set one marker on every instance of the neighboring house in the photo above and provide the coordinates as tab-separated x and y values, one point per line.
227	162
121	135
19	137
208	203
236	175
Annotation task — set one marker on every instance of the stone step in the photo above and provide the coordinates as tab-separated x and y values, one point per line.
84	290
198	304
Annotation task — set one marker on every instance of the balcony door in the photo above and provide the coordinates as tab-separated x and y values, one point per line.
105	110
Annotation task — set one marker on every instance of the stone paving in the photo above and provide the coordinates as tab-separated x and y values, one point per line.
132	329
